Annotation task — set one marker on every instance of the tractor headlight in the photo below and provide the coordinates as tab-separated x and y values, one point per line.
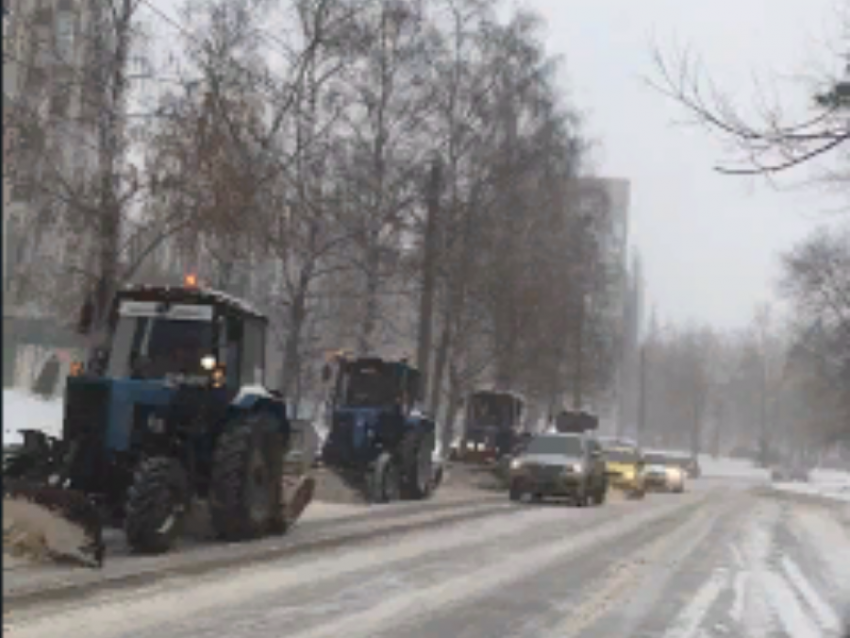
156	424
208	363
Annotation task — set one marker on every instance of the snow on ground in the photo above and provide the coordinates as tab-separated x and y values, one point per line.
25	411
731	468
832	484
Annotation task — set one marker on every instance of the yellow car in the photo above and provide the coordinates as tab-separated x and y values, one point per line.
624	466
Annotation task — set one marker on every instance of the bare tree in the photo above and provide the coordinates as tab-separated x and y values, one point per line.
769	143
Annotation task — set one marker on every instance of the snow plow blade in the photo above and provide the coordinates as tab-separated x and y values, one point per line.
41	522
301	490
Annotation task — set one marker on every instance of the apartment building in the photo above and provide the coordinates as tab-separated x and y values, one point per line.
47	123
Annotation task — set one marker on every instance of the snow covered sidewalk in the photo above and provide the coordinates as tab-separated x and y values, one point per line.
823	483
23	410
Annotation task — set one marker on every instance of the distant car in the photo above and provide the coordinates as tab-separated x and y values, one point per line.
689	463
786	472
663	473
560	465
625	467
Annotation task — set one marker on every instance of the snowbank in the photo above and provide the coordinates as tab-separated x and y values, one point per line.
25	411
731	468
826	483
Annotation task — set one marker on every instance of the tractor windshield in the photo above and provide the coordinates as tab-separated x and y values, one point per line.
159	347
177	347
491	410
370	386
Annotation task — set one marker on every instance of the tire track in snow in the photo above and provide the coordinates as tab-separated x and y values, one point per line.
618	603
468	588
825	615
772	594
689	622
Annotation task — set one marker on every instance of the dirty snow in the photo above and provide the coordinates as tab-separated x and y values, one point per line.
32	532
26	411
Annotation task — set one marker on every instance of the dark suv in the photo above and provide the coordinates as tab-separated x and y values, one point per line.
560	465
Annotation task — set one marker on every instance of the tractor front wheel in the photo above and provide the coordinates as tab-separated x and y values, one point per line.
246	487
156	505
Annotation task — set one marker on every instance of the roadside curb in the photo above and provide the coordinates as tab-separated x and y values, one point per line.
28	597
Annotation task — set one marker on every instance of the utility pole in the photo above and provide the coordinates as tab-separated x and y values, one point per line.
429	271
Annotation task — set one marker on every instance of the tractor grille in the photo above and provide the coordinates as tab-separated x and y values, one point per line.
86	410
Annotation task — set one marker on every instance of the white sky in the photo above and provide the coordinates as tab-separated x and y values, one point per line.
709	242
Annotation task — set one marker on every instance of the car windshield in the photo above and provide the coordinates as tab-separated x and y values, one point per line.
562	445
653	458
621	455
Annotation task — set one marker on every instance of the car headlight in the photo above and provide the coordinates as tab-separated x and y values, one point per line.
208	362
574	468
516	464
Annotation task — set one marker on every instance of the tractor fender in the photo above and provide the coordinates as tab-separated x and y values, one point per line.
420	421
256	399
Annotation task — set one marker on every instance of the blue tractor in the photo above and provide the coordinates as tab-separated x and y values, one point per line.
379	443
493	426
177	412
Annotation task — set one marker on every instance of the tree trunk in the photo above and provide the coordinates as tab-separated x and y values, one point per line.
429	271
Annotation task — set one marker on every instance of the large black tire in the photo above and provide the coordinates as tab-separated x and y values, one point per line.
157	502
601	495
516	491
385	485
417	465
246	487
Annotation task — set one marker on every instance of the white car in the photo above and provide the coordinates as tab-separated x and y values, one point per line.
661	475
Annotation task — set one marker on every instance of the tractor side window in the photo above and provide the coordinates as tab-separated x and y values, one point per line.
253	353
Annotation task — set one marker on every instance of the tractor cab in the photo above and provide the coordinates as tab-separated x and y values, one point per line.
376	435
186	335
493	424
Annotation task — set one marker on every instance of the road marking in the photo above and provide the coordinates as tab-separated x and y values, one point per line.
687	624
737	611
826	616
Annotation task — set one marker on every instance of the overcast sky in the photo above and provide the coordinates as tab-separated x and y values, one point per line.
710	243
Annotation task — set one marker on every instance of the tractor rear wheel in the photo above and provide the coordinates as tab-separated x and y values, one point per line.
157	502
246	487
417	464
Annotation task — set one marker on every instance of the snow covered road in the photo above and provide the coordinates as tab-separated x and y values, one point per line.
725	559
